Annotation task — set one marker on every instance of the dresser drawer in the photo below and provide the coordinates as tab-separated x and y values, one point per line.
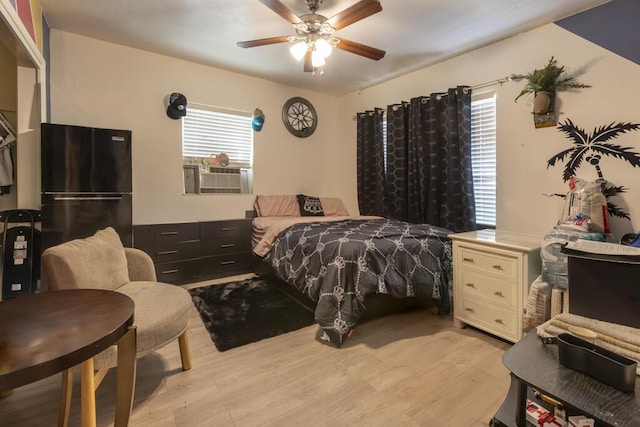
226	265
475	284
160	237
178	272
497	320
176	251
492	263
225	246
235	228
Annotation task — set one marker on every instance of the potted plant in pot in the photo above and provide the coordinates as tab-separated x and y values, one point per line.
544	83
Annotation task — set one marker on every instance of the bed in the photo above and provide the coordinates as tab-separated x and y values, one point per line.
337	260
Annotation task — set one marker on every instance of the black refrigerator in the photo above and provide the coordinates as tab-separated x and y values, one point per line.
86	182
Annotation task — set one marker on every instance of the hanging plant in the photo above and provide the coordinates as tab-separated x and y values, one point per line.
549	79
544	84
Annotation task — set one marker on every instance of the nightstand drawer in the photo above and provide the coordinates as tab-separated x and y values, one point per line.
491	263
500	321
474	284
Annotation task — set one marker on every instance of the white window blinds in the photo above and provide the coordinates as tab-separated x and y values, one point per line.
483	157
214	131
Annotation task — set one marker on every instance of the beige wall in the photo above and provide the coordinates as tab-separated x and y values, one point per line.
101	84
8	106
523	151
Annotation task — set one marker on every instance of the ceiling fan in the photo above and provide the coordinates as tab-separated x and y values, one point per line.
314	33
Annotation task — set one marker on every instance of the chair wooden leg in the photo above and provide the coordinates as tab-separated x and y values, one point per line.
126	377
185	352
87	394
65	397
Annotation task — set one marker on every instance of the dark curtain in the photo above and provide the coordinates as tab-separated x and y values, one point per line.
450	188
429	177
370	158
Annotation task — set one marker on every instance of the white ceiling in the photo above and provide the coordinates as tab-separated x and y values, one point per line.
414	33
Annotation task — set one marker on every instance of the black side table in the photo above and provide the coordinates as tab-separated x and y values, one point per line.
534	364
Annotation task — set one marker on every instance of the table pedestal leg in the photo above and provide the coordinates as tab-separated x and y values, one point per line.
87	394
126	377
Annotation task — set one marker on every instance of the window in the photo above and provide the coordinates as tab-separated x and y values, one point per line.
483	156
208	134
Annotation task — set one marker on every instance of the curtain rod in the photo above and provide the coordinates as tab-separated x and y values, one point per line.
510	78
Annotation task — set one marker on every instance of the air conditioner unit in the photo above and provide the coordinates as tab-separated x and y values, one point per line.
224	180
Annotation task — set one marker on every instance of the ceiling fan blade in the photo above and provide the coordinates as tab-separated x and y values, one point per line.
281	10
361	49
262	42
308	67
355	13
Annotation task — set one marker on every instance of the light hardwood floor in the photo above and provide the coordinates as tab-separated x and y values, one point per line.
409	369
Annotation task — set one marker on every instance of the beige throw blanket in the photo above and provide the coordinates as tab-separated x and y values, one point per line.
623	340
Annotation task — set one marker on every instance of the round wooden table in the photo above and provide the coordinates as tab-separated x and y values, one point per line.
50	332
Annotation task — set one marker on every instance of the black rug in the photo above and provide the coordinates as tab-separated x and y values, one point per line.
247	311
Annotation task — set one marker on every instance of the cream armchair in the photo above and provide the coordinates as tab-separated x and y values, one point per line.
101	262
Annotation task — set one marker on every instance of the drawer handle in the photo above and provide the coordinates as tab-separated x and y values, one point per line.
470	310
498	267
227	262
468	260
499	321
169	271
230	245
498	293
227	229
169	233
471	285
167	252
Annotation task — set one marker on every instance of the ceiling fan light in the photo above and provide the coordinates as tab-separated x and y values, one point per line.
298	50
323	47
317	60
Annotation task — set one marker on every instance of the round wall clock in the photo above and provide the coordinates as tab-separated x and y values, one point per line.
299	117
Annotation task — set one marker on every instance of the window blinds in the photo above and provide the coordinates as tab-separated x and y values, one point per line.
483	157
207	132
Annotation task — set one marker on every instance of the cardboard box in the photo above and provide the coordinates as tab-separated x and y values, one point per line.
536	413
552	421
581	421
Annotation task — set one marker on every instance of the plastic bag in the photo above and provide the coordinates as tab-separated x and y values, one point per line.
585	207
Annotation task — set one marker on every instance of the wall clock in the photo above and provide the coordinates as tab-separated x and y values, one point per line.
299	117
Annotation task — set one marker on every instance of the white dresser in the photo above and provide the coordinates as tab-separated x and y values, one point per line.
492	272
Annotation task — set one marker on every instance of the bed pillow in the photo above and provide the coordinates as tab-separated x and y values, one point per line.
310	206
286	205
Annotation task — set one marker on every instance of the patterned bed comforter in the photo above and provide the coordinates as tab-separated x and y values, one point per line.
338	263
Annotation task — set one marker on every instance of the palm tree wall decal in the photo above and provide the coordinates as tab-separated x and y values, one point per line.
591	148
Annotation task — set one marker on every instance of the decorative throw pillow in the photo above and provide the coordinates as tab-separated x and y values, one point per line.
310	206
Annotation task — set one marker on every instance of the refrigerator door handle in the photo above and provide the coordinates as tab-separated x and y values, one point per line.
87	198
